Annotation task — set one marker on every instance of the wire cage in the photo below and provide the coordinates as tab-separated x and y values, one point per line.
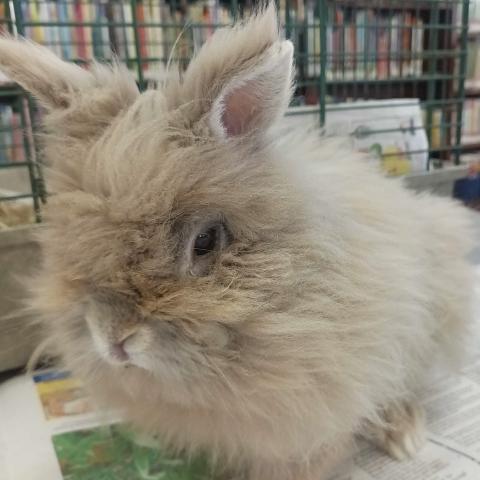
6	22
20	175
389	73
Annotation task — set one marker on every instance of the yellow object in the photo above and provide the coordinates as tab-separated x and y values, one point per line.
58	386
395	162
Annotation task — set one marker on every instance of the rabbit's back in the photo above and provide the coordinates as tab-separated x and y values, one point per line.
404	252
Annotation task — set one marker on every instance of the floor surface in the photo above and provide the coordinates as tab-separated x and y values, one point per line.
475	256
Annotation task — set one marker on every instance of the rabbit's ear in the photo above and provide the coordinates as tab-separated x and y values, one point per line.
79	104
53	81
98	94
242	78
255	100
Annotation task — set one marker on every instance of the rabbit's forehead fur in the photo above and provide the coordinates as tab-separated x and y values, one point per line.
145	185
132	239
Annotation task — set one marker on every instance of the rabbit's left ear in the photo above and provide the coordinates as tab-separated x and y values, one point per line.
241	80
255	100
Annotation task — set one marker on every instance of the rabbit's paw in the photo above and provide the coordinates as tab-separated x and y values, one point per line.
403	434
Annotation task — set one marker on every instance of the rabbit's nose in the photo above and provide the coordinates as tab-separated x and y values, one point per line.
119	353
118	350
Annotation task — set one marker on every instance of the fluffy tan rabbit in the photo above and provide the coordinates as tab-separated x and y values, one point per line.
263	297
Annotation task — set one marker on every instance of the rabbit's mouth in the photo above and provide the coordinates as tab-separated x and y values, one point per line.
156	347
133	348
171	349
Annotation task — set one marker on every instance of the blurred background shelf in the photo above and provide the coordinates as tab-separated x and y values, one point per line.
347	51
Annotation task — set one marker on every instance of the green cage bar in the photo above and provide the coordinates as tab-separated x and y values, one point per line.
461	83
18	154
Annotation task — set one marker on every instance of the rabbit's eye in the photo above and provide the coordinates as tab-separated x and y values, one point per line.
205	242
203	248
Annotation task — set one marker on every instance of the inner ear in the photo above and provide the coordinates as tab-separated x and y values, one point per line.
256	97
240	108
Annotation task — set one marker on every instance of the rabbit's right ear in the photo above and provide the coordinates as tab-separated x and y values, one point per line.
241	80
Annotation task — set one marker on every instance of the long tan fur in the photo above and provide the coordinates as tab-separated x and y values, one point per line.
334	291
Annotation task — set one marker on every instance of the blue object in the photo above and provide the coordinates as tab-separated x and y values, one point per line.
50	376
467	189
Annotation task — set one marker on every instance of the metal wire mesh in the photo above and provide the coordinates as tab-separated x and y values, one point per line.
6	22
346	51
20	175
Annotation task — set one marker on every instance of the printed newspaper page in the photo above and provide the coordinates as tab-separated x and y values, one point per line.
452	451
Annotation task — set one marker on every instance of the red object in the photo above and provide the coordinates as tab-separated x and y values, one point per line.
407	41
383	52
338	39
80	31
142	34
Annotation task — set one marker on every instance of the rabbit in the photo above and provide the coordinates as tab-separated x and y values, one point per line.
265	296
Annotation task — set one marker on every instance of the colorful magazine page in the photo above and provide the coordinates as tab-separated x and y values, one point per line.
61	395
114	453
